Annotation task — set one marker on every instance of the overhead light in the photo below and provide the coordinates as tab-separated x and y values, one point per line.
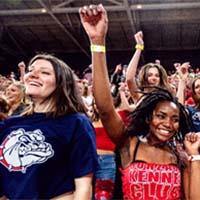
43	10
139	6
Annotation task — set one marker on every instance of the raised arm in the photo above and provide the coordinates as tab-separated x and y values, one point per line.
95	21
132	67
22	68
192	144
183	75
125	105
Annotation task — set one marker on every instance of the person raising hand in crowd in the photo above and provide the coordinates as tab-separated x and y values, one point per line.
22	70
156	127
151	74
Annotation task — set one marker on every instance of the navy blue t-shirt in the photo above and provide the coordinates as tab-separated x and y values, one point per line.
195	117
41	156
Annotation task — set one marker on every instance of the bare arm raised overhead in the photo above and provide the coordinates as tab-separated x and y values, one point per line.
132	67
22	68
183	75
95	21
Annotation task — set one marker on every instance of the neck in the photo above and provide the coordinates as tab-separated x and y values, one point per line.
152	140
40	106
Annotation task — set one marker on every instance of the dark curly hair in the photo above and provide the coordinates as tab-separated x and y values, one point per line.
138	125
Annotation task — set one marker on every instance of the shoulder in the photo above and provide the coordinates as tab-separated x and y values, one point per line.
97	123
76	118
127	152
77	122
11	119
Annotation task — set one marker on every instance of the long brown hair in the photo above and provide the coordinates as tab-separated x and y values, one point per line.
142	76
65	99
196	100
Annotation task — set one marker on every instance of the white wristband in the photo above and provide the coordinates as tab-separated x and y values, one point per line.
194	157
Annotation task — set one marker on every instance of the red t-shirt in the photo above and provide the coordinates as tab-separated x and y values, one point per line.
149	181
102	140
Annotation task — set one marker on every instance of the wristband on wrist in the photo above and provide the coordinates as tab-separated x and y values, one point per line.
194	157
97	48
138	46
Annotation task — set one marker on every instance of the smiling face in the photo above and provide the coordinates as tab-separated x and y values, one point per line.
13	94
40	81
165	121
153	76
197	90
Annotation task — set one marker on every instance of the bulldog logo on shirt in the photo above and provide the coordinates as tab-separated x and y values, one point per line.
22	149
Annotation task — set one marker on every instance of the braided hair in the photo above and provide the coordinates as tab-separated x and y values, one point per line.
138	125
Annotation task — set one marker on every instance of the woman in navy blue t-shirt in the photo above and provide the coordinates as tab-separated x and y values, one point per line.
49	151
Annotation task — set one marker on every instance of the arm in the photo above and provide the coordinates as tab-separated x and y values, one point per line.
124	101
192	144
118	70
95	22
132	67
83	187
115	79
186	182
21	67
183	74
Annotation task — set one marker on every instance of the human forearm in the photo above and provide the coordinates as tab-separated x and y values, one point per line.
101	84
181	91
192	144
95	22
194	192
183	75
195	180
132	66
83	188
83	193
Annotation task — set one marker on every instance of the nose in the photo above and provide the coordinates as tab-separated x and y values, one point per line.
34	73
7	92
167	122
154	77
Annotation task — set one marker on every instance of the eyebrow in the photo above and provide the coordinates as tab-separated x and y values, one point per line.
164	113
42	67
149	73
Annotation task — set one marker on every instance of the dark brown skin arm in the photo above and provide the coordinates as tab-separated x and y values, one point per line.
94	20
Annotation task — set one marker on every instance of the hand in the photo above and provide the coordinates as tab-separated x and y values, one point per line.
139	38
21	65
118	68
122	87
182	70
95	22
157	61
192	143
177	65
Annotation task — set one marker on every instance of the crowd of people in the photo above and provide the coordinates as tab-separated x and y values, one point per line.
133	134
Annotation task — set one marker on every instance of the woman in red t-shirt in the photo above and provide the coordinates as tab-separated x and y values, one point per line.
154	166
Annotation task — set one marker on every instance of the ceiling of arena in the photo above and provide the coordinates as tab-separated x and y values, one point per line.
171	31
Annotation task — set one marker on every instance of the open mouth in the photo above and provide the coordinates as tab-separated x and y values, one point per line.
164	132
33	83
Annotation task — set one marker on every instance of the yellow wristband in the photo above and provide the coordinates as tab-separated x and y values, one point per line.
138	46
97	48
